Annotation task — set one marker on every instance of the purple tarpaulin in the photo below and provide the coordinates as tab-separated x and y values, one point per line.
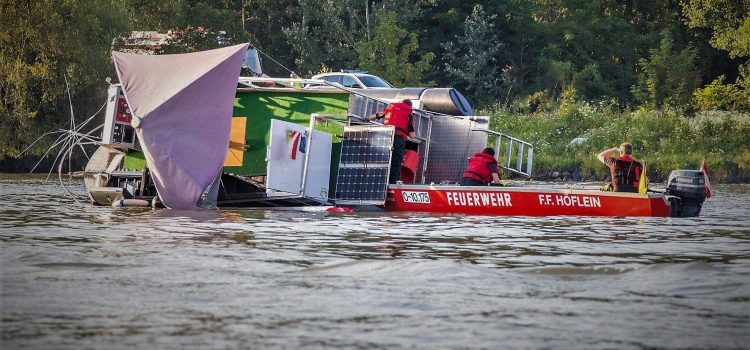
182	112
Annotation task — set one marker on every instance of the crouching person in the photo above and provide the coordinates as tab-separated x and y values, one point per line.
482	169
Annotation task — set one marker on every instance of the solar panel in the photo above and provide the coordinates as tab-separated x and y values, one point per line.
364	164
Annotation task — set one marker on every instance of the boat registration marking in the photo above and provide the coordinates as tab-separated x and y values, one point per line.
416	197
570	201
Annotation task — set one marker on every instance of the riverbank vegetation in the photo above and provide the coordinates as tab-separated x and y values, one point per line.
672	77
566	142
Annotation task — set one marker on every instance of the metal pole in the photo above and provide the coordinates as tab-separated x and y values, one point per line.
529	160
307	153
426	149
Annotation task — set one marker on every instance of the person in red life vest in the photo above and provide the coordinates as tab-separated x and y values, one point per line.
626	171
482	169
397	114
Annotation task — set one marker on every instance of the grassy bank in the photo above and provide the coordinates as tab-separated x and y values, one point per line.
664	140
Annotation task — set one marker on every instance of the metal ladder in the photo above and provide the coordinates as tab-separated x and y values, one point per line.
519	154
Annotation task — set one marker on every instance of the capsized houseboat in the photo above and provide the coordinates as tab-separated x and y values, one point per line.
187	132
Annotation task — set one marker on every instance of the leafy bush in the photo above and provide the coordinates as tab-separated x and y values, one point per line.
664	140
720	96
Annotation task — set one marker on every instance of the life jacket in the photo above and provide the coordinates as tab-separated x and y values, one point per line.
626	173
397	114
479	167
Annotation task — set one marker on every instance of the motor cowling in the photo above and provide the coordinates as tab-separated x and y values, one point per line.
689	190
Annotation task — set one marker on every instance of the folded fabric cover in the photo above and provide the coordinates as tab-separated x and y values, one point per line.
182	112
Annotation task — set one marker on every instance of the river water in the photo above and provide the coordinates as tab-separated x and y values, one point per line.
78	277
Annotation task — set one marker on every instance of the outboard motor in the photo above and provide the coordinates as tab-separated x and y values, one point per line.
689	188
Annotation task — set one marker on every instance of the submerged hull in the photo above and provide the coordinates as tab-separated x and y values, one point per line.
524	201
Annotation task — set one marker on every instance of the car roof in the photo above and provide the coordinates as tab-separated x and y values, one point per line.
342	73
356	76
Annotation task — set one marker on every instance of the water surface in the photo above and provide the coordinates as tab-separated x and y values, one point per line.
75	277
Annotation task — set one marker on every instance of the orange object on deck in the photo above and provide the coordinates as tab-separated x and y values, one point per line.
236	152
409	168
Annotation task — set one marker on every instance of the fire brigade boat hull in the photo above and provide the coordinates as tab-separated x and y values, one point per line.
529	201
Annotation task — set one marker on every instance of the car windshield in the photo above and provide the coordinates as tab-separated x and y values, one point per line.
333	79
350	82
372	81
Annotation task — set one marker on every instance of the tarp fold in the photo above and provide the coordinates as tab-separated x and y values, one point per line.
182	111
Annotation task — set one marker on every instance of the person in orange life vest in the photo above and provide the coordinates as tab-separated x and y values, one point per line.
397	114
482	169
626	171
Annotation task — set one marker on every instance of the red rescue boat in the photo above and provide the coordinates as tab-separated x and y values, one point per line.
521	201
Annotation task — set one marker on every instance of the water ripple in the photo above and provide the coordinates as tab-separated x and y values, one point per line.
99	277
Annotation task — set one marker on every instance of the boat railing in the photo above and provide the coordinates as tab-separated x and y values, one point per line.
361	104
519	154
338	119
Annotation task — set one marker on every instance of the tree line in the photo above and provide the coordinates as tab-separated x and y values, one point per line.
524	56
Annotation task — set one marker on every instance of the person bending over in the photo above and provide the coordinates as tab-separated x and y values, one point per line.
482	169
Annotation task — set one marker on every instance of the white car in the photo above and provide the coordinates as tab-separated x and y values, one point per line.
354	80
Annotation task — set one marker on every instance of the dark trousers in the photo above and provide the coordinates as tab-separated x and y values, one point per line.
397	159
467	181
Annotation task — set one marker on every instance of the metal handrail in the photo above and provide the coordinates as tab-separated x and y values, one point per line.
523	147
326	118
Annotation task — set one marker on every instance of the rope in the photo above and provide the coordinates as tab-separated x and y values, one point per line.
275	61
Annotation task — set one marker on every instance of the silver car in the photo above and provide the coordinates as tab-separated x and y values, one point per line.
355	80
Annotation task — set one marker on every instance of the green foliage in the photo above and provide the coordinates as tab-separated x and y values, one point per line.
157	15
193	39
590	80
536	56
389	53
471	58
667	77
663	140
720	96
729	20
194	25
263	22
325	36
41	43
568	101
591	46
538	102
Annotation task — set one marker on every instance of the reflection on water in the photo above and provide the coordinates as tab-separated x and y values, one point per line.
99	277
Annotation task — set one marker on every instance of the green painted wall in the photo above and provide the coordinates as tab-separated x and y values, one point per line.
134	160
295	107
260	107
